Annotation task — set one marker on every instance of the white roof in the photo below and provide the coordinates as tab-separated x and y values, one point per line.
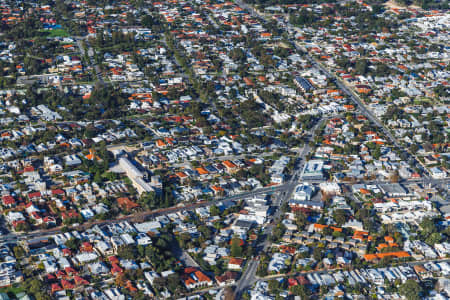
147	226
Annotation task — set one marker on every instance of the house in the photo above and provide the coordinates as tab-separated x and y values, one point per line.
442	249
8	201
194	278
98	268
235	263
72	160
126	204
379	256
227	278
80	281
86	257
278	262
67	285
114	294
104	248
230	166
298	205
303	84
143	239
151	276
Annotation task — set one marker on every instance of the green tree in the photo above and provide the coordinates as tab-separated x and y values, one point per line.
376	153
34	286
173	282
127	252
214	210
300	290
340	216
361	67
411	290
159	283
434	238
23	227
278	232
301	220
73	244
184	239
18	251
148	21
318	253
274	285
205	231
98	177
428	226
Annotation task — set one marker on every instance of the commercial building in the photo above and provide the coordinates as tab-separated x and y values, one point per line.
135	175
313	170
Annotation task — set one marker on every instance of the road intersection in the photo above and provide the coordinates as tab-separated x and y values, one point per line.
249	276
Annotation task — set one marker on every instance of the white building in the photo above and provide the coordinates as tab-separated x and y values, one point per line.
304	192
137	177
438	173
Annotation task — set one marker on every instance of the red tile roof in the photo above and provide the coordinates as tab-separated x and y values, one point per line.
8	200
34	195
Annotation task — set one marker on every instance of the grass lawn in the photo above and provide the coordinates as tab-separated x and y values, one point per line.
56	33
14	289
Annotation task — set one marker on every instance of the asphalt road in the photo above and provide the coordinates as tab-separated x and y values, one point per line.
90	53
146	215
348	91
248	277
139	217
